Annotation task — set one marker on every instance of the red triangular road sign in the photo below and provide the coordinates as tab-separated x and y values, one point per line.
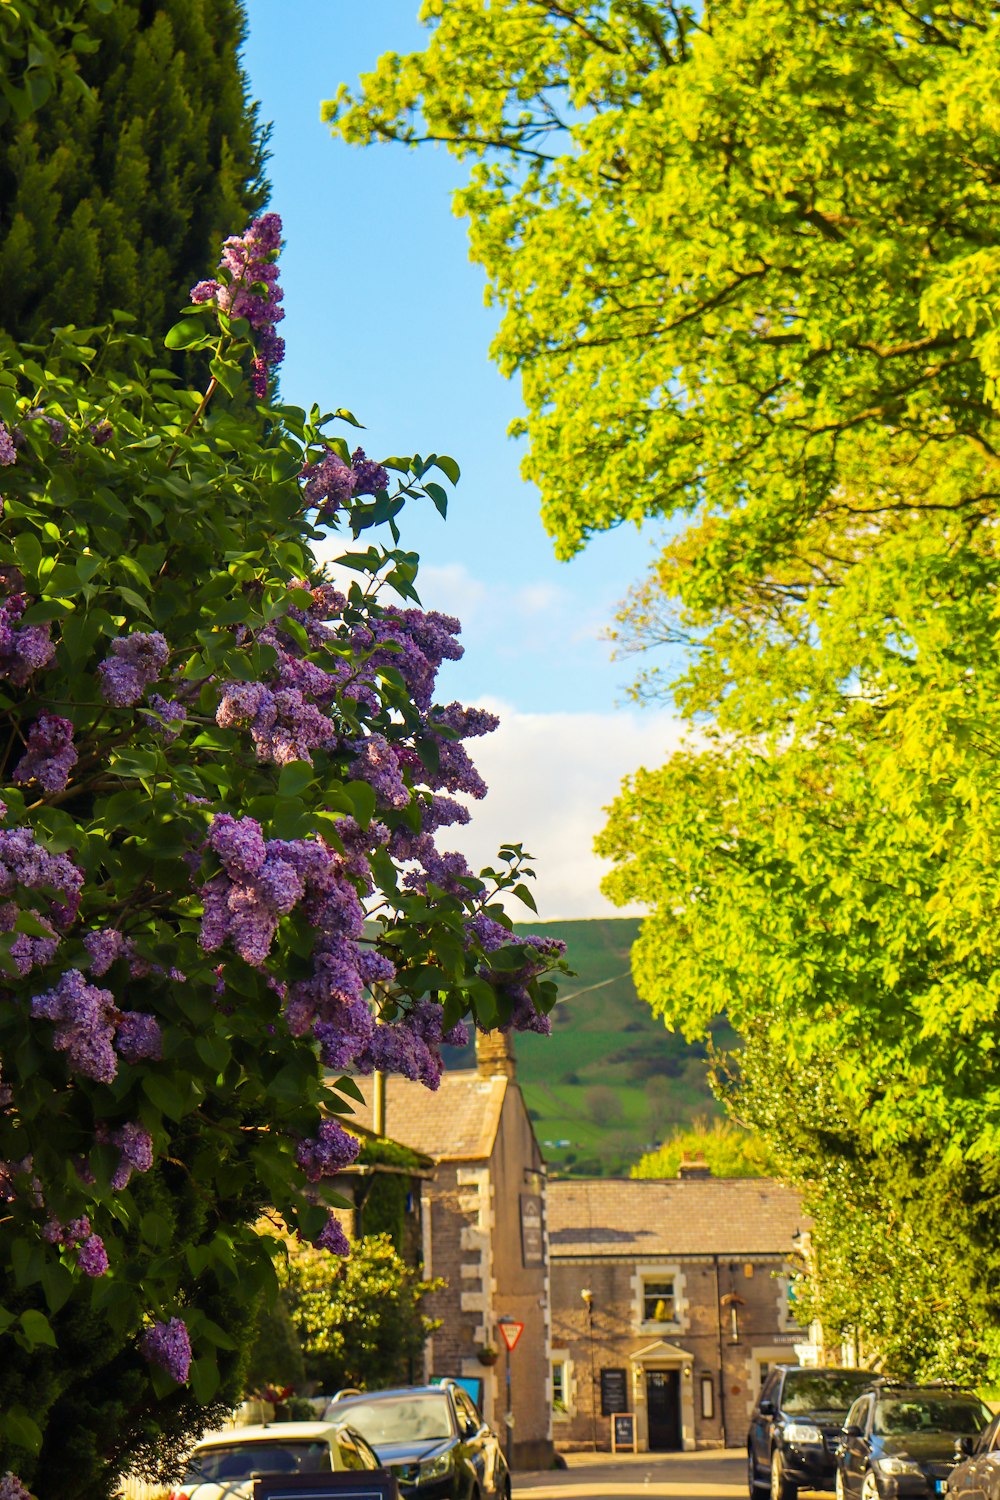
511	1331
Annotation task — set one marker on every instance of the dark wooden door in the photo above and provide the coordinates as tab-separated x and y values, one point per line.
663	1408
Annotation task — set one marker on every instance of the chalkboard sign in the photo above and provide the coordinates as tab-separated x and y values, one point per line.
623	1431
532	1239
614	1391
373	1484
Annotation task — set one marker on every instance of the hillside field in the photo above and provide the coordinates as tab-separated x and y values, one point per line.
611	1081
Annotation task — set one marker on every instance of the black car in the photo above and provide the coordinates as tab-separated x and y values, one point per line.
900	1441
795	1429
432	1438
977	1476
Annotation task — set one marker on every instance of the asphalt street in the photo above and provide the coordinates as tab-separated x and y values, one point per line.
684	1476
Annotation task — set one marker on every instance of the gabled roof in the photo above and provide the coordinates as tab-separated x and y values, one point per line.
456	1122
675	1216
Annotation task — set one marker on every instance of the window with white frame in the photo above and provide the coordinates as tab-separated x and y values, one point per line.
659	1300
562	1384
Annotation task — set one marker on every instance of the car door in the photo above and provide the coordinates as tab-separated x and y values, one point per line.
763	1420
987	1461
475	1438
854	1461
970	1479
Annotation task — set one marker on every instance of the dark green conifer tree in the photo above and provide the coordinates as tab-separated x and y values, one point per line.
116	194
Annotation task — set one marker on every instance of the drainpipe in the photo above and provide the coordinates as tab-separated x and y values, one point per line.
722	1353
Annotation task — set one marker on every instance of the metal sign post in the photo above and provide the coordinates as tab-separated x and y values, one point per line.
510	1332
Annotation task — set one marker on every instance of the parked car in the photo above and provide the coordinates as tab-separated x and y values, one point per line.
795	1429
899	1440
223	1467
977	1475
432	1438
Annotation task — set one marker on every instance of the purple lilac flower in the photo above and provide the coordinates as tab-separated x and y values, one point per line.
240	845
24	862
136	1146
92	1258
328	1152
369	477
135	663
85	1025
104	947
329	484
26	649
376	762
170	713
138	1037
457	1036
50	755
100	432
169	1346
332	1237
11	1488
252	292
57	429
8	453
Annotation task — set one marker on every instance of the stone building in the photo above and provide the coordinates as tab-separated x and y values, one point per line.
670	1299
483	1219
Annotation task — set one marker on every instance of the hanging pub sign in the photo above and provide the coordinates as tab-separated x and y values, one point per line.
614	1391
532	1242
371	1484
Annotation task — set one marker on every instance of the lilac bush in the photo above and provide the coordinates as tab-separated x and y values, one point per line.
226	889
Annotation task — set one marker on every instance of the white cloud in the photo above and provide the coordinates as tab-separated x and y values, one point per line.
550	778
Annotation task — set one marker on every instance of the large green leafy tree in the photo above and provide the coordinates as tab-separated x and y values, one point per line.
748	261
222	888
129	148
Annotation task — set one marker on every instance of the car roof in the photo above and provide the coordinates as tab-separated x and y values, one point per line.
262	1432
402	1390
932	1388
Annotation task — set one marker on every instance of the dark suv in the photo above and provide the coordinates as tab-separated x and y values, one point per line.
795	1428
905	1440
432	1438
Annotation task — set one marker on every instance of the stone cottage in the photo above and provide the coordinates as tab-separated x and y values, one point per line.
484	1231
670	1299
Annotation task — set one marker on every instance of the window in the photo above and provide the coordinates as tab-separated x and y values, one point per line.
658	1301
560	1387
707	1396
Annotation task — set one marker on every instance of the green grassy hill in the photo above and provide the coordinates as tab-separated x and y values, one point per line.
611	1081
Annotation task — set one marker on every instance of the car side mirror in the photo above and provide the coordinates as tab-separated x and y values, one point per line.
766	1408
854	1431
471	1427
965	1447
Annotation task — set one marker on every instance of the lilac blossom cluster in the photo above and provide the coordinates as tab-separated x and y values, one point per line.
24	649
250	290
490	936
412	641
11	1488
91	1256
328	1152
8	451
136	1147
166	716
169	1346
332	1237
90	1027
52	878
50	754
330	483
135	663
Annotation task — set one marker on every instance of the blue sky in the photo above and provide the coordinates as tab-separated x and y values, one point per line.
385	316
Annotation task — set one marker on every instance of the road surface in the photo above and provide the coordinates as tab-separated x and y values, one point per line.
682	1476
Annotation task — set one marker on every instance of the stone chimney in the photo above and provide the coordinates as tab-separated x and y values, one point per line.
696	1168
495	1055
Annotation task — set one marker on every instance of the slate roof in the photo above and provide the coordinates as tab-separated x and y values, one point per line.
693	1216
457	1122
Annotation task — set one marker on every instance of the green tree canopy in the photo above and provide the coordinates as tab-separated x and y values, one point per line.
130	149
359	1320
725	1148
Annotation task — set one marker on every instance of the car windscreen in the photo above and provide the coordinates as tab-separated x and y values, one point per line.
222	1463
401	1419
902	1416
813	1390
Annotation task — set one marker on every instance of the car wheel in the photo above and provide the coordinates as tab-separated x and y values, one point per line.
756	1487
782	1487
870	1489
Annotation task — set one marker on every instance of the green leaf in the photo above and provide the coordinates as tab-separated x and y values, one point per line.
189	333
37	1329
21	1430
